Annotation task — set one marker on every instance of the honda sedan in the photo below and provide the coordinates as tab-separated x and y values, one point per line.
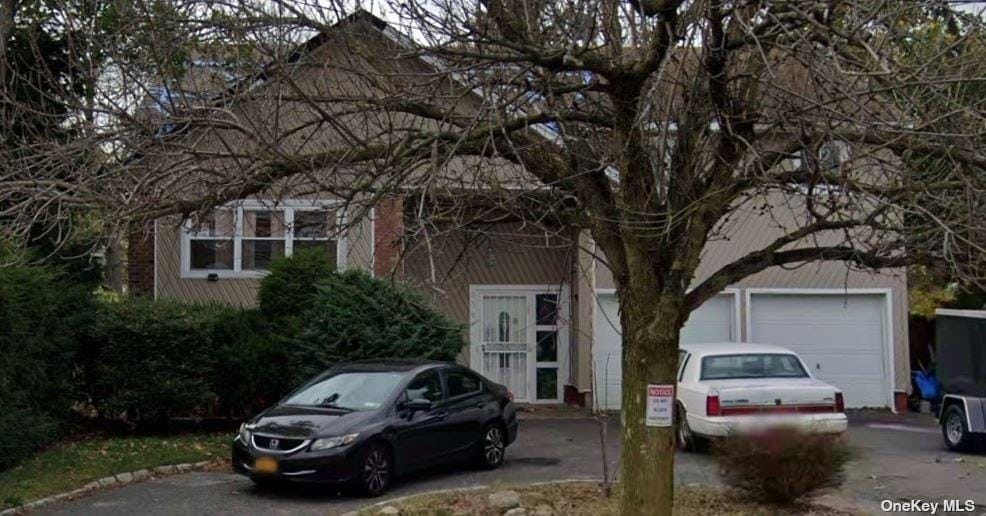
363	423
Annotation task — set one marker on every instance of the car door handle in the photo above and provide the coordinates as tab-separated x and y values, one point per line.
434	417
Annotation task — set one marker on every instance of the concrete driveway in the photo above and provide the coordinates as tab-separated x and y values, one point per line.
900	458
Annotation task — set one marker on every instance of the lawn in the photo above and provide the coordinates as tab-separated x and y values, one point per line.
586	499
72	464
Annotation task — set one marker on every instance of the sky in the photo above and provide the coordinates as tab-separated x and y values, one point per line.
971	6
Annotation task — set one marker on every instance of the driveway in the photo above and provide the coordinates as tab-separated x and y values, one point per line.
900	458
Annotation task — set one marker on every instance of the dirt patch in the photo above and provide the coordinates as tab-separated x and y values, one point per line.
585	499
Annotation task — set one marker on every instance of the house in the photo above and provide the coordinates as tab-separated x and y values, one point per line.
539	303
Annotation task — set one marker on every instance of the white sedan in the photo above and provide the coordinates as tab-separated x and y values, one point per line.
738	387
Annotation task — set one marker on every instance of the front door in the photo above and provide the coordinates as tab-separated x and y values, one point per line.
520	339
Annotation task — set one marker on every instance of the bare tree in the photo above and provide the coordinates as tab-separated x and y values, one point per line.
649	125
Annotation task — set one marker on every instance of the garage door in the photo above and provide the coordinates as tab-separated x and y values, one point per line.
840	337
711	322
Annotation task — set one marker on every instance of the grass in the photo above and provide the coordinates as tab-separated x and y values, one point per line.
72	464
585	499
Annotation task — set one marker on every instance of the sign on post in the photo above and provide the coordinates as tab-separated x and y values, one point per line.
660	405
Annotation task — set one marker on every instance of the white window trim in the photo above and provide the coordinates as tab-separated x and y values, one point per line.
288	206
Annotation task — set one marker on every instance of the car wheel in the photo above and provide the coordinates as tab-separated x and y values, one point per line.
375	470
683	435
492	449
954	429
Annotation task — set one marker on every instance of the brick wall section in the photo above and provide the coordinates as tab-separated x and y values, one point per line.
388	230
140	260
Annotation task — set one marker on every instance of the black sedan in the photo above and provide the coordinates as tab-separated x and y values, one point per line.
363	423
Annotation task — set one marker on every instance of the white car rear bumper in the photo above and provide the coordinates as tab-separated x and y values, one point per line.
728	425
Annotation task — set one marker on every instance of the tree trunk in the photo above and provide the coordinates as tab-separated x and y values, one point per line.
114	266
8	9
650	356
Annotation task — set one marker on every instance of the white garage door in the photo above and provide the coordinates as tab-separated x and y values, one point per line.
840	337
712	322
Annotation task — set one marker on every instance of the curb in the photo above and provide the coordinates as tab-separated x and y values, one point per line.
400	499
540	416
844	505
120	479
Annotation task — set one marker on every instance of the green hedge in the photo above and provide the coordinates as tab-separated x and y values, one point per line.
354	316
290	287
250	371
40	314
147	361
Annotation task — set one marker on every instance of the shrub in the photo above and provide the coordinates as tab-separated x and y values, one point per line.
290	287
782	466
39	314
149	360
354	316
251	368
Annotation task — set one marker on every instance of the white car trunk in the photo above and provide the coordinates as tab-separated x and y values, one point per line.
772	392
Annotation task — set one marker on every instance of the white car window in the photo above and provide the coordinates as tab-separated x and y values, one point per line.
752	365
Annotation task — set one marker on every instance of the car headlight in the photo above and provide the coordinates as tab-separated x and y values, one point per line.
332	442
244	434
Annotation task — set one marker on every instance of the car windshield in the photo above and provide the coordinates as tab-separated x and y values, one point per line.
759	365
351	390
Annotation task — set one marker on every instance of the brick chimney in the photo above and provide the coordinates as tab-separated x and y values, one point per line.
140	260
388	230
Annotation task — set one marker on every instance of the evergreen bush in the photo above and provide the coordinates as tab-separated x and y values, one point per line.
354	316
147	361
40	313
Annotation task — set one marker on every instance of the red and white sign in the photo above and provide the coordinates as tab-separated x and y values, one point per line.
660	405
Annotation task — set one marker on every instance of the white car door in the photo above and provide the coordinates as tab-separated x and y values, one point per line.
691	394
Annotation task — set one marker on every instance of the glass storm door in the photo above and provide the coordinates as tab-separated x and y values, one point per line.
505	342
521	342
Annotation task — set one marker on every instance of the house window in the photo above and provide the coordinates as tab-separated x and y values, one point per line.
827	157
211	241
313	229
504	327
243	240
263	238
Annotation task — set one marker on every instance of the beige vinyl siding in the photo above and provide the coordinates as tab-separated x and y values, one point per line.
585	291
509	254
233	291
751	230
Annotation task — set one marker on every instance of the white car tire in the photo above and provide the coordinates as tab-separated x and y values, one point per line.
685	440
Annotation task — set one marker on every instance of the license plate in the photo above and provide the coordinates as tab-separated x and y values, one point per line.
265	465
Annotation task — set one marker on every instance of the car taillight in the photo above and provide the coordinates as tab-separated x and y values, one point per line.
840	402
712	407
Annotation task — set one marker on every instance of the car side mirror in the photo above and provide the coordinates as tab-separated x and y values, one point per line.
419	404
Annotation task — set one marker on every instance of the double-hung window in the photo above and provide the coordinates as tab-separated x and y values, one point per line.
210	242
263	239
242	240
